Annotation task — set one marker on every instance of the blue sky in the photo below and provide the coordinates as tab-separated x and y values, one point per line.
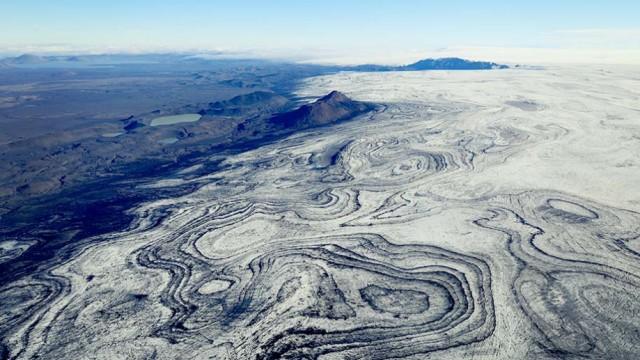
384	30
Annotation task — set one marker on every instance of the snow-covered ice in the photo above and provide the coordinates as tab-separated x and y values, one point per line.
479	214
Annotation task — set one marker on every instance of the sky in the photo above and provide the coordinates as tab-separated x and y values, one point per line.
331	31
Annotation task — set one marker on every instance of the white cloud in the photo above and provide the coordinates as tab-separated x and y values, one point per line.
573	51
508	55
547	55
607	38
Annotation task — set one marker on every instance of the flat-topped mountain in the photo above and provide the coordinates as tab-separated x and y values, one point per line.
451	63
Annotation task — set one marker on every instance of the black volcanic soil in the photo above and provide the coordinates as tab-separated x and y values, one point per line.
246	104
91	193
76	142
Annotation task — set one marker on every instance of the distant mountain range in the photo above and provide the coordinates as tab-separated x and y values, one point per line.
26	59
29	60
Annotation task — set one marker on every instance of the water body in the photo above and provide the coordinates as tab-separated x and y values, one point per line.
175	119
167	141
112	134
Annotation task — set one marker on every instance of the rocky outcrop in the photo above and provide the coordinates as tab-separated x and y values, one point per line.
331	108
257	101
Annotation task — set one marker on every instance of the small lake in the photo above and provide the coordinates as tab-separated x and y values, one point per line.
112	134
167	141
175	119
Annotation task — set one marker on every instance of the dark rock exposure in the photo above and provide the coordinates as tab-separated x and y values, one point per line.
329	109
65	186
246	104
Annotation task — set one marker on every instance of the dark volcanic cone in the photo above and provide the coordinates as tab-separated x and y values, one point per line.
331	108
